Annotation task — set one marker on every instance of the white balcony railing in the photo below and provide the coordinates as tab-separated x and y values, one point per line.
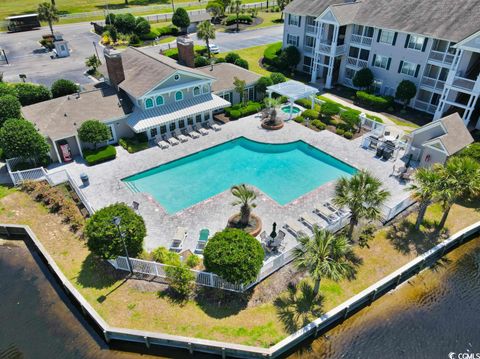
358	63
326	48
441	57
425	106
430	82
312	29
361	40
463	83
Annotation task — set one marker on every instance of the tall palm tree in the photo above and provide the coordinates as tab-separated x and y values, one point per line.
245	197
237	8
324	256
362	194
48	12
424	190
206	32
460	179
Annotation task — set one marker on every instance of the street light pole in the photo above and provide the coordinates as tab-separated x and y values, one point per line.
117	220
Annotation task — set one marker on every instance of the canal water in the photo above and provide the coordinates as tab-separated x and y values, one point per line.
430	316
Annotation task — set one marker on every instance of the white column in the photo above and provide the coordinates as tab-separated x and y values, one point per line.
79	145
331	61
316	54
54	142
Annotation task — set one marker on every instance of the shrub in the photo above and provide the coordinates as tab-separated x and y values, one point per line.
231	57
340	132
348	134
406	90
200	61
350	117
142	26
299	119
134	144
94	131
102	235
319	125
72	216
219	60
472	150
173	52
20	138
376	102
192	261
9	108
7	89
63	87
262	84
363	78
93	157
163	255
243	19
167	30
180	18
134	39
289	57
242	63
180	280
270	55
125	23
329	109
234	255
28	93
235	114
310	114
277	77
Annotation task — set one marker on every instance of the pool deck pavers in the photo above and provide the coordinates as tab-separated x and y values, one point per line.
107	188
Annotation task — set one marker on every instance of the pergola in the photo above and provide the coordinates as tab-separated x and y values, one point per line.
293	90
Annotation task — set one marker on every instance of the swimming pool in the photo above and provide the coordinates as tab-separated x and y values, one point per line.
284	172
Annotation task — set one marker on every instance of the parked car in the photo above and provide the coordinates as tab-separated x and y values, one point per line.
214	49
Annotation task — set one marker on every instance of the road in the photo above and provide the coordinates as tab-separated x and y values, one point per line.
26	56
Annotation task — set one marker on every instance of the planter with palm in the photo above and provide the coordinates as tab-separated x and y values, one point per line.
363	195
272	121
206	32
325	255
245	220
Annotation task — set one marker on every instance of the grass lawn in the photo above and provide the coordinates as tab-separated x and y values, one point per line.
404	123
214	315
253	56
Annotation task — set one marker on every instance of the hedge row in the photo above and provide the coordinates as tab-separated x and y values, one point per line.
237	111
173	52
243	19
373	101
93	157
270	55
134	144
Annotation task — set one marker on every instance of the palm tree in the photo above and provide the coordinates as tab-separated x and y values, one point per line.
424	189
206	32
460	179
240	86
324	256
362	195
48	12
237	8
245	197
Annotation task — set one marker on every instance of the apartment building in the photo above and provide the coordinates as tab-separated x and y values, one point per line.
433	43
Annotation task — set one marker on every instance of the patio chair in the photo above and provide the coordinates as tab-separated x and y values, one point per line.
336	210
200	130
202	241
192	133
162	143
171	140
213	125
309	220
180	137
380	150
294	229
407	175
178	238
387	154
326	213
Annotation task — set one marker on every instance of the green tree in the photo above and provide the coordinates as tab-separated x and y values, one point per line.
242	63
363	195
231	57
48	12
406	90
290	57
424	189
181	19
93	63
239	86
125	23
9	108
102	234
460	179
180	280
63	87
7	89
206	32
324	255
94	131
363	78
163	255
19	138
215	8
262	84
142	26
277	77
245	197
29	93
237	9
282	4
234	255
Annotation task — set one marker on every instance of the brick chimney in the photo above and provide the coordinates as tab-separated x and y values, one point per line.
186	54
113	60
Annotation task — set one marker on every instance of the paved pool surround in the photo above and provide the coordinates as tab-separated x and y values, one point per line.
106	186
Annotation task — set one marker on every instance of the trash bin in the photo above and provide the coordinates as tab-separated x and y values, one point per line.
84	178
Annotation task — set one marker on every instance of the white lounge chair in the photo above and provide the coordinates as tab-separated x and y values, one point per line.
178	238
202	241
180	137
213	125
294	228
192	133
326	213
310	221
200	130
162	143
171	140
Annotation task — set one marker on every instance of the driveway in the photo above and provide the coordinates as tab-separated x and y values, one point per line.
26	56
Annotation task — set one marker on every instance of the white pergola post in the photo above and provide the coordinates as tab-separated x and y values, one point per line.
56	151
79	145
291	108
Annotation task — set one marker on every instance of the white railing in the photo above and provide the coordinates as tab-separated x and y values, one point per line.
340	50
312	29
432	83
351	61
371	125
463	83
390	212
425	106
324	48
442	57
361	40
309	50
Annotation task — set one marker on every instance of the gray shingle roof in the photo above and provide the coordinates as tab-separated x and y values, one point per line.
225	74
443	19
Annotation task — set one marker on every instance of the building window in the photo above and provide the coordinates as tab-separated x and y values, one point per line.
251	93
176	77
292	40
198	118
148	103
307	64
206	88
110	129
190	121
226	96
387	37
181	124
358	53
408	68
153	132
363	30
309	41
163	129
178	96
415	42
206	116
196	91
294	20
159	100
172	127
349	73
382	62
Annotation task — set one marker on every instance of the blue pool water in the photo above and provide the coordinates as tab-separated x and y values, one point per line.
282	171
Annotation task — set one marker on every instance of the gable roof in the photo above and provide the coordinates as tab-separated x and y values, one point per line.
442	19
455	135
145	71
225	74
61	117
